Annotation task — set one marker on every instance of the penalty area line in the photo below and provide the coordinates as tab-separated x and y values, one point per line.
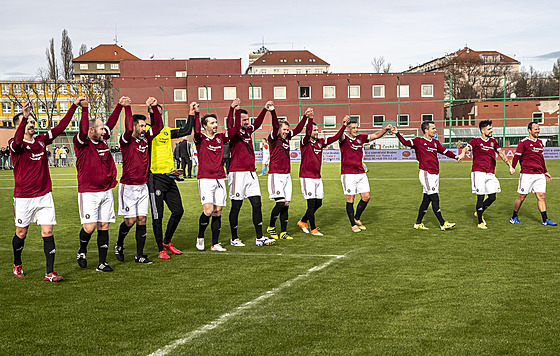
240	309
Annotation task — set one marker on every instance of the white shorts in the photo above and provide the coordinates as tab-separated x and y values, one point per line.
312	188
133	200
38	209
531	183
212	191
353	184
280	186
484	183
243	185
96	207
430	182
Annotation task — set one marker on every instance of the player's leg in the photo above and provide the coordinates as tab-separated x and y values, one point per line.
103	246
49	248
155	186
287	193
306	188
350	210
216	227
18	242
204	220
141	239
364	199
541	204
175	205
479	207
236	195
489	200
276	195
516	206
256	205
421	212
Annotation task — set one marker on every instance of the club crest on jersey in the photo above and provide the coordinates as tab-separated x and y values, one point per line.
42	144
19	221
359	141
158	192
165	133
218	140
87	216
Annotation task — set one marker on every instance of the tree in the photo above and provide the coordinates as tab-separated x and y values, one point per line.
379	65
52	66
83	49
66	56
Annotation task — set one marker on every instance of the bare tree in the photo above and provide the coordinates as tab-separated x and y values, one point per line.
379	65
83	49
52	66
532	83
66	56
97	89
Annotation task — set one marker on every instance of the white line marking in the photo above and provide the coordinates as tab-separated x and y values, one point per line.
240	309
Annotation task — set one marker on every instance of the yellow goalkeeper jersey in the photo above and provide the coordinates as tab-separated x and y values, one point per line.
161	154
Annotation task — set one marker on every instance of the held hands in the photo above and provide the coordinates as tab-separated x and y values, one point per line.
460	157
345	120
193	107
124	101
309	113
511	169
235	103
151	101
269	105
81	101
27	109
388	128
548	177
394	129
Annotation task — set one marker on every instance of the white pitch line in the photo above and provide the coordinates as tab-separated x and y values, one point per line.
240	309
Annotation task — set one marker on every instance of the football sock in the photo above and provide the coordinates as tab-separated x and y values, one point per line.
423	208
157	227
435	207
48	248
17	245
172	224
360	209
491	198
216	226
479	207
544	216
202	225
310	213
234	217
84	240
123	231
257	214
284	219
350	213
514	214
140	239
275	213
102	245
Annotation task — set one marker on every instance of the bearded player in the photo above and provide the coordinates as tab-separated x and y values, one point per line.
310	171
427	147
483	179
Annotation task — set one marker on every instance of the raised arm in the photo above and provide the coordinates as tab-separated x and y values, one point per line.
236	126
299	126
128	121
84	122
380	133
445	151
20	132
58	129
195	109
260	119
403	140
339	133
234	104
275	123
158	120
114	117
309	128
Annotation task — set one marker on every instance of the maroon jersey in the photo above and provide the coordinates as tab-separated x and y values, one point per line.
31	164
241	144
426	152
484	154
312	152
280	147
94	162
352	154
135	151
530	154
211	149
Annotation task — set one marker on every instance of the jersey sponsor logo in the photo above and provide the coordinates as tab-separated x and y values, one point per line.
142	149
215	148
355	147
36	156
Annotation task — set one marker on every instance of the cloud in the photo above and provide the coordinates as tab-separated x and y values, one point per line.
551	55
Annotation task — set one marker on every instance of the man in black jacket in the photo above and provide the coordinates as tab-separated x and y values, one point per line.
185	156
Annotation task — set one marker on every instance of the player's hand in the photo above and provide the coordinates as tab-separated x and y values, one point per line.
459	158
511	170
548	177
394	129
235	103
84	103
345	120
78	101
309	113
124	101
269	105
151	101
389	128
27	109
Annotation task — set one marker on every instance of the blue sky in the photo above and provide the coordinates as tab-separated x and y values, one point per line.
347	34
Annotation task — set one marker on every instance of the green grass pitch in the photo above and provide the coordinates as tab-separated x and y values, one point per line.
396	290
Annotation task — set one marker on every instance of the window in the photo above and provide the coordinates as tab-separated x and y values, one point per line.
51	88
230	93
427	117
471	116
354	91
204	93
403	120
100	66
63	89
378	91
83	66
263	71
298	71
74	89
427	90
318	71
279	92
403	90
63	106
538	117
180	94
7	108
276	70
97	89
43	124
16	88
378	120
40	88
180	123
74	124
329	121
286	71
255	93
355	118
465	121
305	92
5	89
329	92
42	108
28	88
114	66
